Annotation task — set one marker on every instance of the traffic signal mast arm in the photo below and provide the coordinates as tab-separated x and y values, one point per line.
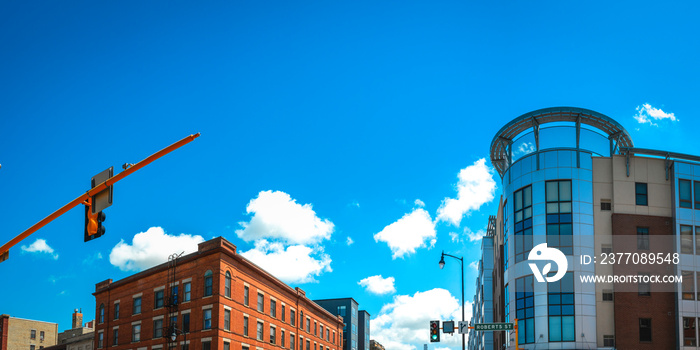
82	199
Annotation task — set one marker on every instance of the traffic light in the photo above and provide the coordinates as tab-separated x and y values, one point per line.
93	223
434	331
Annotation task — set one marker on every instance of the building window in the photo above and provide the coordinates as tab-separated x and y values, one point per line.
642	238
260	331
272	334
227	345
137	306
115	336
207	319
525	309
116	311
246	294
686	239
315	328
605	205
609	340
100	340
560	295
689	338
688	285
41	335
227	320
227	285
187	291
273	308
559	220
308	344
185	346
174	297
328	335
606	249
291	341
640	192
261	303
282	338
186	322
173	321
159	299
696	188
32	347
308	325
102	316
135	333
208	283
341	311
685	195
522	206
292	317
245	325
321	327
645	329
354	329
206	345
644	288
607	295
283	314
157	328
507	304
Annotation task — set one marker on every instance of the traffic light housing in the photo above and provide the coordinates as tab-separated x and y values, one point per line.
434	331
93	223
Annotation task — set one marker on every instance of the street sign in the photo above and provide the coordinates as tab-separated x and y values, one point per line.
463	327
102	199
448	326
493	327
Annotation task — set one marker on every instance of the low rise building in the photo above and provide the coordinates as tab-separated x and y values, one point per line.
21	334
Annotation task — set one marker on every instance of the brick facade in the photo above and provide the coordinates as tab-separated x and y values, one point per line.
219	257
658	306
21	334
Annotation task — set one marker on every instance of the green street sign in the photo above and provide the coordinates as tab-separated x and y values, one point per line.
493	327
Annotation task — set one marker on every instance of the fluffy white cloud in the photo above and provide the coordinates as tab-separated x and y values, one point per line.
292	264
419	203
454	237
474	236
349	241
475	188
277	216
151	248
646	114
403	323
40	246
378	285
408	233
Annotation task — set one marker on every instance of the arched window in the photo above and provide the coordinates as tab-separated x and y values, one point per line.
227	290
208	283
102	313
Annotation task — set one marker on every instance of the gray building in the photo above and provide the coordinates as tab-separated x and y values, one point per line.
348	309
363	336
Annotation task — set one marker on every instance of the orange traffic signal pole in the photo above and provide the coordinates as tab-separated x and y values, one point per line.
81	199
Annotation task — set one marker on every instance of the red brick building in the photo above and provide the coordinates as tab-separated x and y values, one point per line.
218	301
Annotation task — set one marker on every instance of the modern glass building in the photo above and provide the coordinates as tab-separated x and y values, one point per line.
572	179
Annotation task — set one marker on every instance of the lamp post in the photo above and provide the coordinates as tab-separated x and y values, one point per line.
461	262
174	334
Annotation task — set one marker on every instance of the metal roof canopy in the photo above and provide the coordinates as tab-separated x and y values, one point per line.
501	145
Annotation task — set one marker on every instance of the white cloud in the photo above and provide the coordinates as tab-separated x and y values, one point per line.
40	246
92	258
474	236
475	188
646	114
378	285
419	203
277	216
151	248
454	236
474	265
408	233
349	241
403	323
354	204
525	148
292	264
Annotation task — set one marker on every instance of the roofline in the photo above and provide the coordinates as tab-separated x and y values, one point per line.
26	319
353	299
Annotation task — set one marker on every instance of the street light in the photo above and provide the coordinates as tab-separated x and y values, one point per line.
175	333
461	262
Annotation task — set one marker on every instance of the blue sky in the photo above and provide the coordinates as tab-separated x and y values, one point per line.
323	123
